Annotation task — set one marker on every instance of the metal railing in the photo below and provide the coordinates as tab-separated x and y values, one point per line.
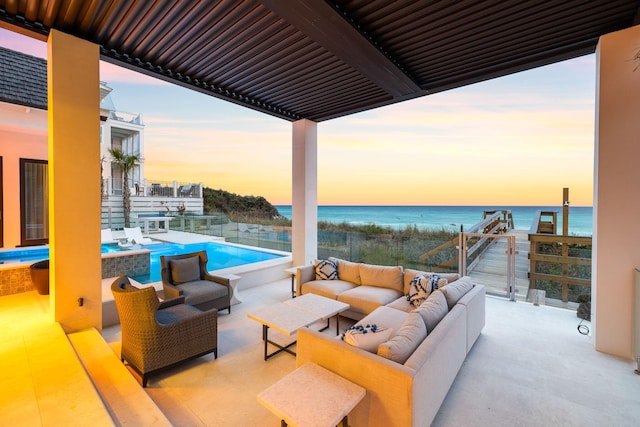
155	189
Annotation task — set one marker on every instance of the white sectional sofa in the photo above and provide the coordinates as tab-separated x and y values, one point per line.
408	376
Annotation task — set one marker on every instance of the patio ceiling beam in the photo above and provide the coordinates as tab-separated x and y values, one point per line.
324	24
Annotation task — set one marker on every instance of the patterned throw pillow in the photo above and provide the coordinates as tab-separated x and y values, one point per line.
419	290
437	281
326	269
421	286
366	337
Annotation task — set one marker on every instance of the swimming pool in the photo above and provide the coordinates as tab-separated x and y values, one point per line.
220	255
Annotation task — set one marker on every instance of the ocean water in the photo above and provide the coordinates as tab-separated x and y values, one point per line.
447	217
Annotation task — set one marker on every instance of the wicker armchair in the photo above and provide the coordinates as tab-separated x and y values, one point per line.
186	275
157	335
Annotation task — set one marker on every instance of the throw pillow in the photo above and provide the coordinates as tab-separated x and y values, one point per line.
433	309
366	337
456	290
419	290
326	269
422	285
402	345
185	270
437	281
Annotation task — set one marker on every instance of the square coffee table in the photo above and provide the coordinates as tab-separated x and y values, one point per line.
284	319
323	307
289	316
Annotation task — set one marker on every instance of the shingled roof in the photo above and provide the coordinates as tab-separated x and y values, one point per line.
23	79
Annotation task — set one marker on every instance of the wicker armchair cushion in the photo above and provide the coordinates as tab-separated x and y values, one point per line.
185	270
199	291
176	313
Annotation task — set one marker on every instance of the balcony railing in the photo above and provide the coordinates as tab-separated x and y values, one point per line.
122	116
172	189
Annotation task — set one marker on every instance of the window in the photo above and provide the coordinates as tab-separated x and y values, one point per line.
34	202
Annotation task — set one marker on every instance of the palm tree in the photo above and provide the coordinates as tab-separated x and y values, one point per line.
124	162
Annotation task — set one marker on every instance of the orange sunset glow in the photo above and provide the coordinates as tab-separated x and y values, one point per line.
516	140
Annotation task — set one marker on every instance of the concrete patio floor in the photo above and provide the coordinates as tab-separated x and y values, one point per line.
529	367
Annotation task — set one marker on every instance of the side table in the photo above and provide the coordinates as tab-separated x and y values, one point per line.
312	396
292	271
235	292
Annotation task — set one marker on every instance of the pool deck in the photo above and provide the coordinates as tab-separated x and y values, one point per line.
250	275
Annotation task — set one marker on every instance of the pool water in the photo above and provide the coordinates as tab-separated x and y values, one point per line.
220	255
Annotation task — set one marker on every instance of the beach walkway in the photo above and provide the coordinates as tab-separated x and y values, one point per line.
491	269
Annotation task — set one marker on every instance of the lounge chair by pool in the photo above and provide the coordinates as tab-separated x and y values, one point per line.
135	236
106	236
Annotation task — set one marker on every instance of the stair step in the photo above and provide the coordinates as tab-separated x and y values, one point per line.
121	393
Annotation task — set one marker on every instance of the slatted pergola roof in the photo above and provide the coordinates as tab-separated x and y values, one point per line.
318	60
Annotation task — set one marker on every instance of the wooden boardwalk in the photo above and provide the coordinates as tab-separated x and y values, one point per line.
491	270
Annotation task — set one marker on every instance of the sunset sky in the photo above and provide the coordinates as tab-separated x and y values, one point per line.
516	140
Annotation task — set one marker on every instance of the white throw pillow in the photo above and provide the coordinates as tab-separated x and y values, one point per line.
402	345
326	269
366	337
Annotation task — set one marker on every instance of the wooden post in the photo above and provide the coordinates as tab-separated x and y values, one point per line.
565	211
565	245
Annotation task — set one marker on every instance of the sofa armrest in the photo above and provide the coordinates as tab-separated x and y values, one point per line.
389	384
304	274
474	301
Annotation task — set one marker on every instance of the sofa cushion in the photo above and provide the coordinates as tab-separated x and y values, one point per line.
326	288
200	291
456	290
185	270
364	299
401	304
381	276
433	309
347	270
326	269
385	317
409	274
366	337
404	342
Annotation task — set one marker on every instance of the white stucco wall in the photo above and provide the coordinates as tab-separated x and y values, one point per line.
616	235
23	134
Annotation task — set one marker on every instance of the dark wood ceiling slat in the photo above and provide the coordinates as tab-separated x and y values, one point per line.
314	62
219	40
156	22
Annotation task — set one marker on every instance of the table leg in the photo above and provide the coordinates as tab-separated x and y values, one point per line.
293	286
265	338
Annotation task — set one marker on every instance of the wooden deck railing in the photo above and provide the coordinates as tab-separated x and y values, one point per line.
557	259
494	222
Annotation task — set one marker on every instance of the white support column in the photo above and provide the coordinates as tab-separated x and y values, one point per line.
74	182
304	208
616	202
